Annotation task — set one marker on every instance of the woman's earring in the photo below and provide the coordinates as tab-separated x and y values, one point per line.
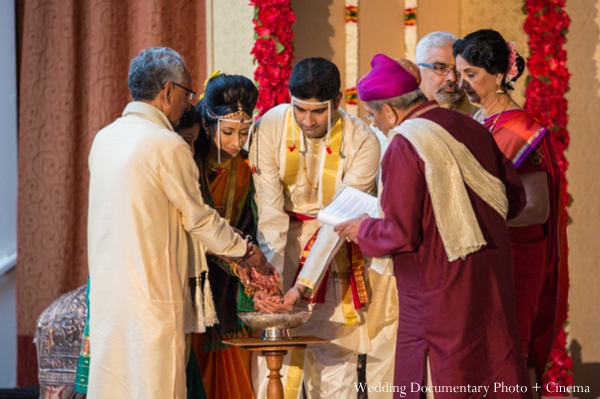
205	127
499	89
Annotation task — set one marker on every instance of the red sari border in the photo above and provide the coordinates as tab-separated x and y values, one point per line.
518	133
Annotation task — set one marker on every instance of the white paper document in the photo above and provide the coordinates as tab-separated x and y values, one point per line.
348	204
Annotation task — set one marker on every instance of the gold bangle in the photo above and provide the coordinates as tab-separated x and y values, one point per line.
233	268
249	291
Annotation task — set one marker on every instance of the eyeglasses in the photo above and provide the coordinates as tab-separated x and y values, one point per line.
191	93
369	117
440	69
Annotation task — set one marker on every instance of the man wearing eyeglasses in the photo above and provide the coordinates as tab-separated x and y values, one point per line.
439	80
145	211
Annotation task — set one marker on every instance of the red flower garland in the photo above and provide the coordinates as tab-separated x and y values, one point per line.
272	51
546	25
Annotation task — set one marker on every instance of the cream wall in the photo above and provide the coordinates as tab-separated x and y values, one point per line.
320	27
505	16
320	31
584	185
230	37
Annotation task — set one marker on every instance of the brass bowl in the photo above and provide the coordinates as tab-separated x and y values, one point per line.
274	325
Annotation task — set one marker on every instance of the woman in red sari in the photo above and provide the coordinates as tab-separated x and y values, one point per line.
489	66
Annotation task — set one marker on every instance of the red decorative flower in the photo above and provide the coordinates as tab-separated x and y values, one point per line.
546	25
272	51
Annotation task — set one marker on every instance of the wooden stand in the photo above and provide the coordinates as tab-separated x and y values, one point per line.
274	351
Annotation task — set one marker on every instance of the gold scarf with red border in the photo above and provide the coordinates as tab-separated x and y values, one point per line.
353	268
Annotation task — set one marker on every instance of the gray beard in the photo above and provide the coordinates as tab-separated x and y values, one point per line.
446	97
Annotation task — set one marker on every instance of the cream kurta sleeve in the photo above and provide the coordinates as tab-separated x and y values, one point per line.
200	220
273	221
361	162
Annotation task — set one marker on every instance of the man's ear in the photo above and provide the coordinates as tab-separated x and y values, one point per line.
389	114
337	100
168	92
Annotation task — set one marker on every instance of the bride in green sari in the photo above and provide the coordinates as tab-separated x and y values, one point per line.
226	184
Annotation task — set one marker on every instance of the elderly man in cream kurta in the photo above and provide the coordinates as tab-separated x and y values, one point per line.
144	196
301	162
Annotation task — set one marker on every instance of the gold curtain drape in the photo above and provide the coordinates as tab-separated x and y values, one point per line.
74	60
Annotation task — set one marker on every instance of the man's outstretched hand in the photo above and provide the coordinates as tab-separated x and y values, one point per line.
270	303
294	295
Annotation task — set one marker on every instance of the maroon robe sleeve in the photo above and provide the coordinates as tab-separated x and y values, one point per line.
401	200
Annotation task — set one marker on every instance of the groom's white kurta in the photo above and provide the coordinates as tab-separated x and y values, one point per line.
144	195
329	369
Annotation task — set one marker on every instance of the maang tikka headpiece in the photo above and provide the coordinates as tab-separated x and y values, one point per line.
239	116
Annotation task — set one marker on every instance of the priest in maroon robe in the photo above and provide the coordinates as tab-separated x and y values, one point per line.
447	192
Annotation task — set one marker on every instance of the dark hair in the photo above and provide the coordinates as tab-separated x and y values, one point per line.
224	94
487	49
315	77
189	118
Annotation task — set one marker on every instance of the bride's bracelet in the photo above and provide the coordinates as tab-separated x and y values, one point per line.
249	291
233	268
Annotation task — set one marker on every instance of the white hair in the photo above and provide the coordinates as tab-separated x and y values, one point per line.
152	69
433	39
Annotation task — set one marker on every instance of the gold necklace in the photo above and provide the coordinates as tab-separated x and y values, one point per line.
498	117
306	174
215	166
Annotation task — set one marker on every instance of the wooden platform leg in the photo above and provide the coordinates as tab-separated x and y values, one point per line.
274	363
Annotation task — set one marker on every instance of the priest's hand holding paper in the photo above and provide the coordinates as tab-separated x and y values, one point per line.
349	229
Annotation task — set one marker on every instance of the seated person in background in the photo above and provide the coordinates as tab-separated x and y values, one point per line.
58	339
